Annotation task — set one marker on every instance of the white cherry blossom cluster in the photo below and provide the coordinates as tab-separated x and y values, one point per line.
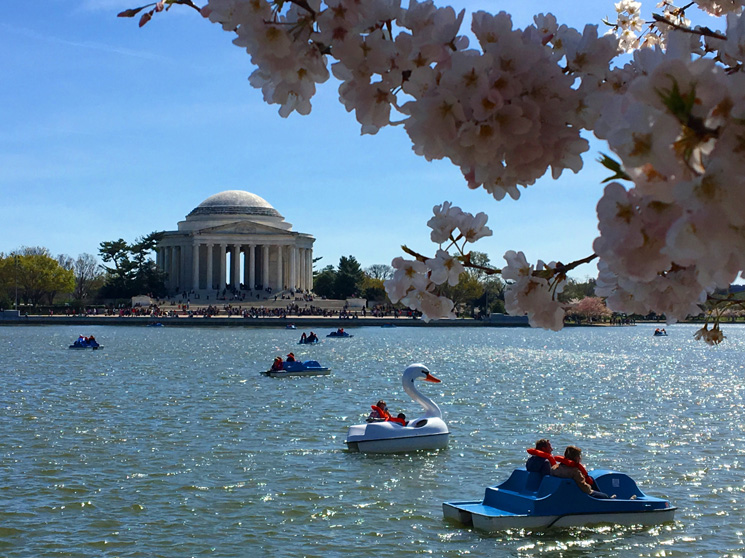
415	282
629	24
531	294
512	107
505	113
678	233
288	64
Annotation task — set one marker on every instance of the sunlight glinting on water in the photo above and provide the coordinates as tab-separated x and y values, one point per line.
168	442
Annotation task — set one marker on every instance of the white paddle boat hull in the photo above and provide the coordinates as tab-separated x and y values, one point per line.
472	514
390	437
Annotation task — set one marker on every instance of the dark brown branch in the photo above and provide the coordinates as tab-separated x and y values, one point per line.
703	31
560	269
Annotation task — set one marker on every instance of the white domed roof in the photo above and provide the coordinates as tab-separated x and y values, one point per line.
235	202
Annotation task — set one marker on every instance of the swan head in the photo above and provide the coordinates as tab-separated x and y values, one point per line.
418	372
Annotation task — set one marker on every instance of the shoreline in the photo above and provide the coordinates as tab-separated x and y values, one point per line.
237	321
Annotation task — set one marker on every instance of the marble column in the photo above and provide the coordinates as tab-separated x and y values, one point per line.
223	251
280	274
235	262
210	279
309	264
167	265
177	267
293	268
195	266
265	265
251	266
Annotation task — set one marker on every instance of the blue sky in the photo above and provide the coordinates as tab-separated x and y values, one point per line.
110	131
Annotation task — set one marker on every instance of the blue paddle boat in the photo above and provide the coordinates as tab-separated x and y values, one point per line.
86	343
298	368
306	342
339	333
532	501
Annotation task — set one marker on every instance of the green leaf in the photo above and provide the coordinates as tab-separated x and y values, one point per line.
614	166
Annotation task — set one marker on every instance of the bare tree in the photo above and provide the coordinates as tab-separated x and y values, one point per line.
379	271
87	270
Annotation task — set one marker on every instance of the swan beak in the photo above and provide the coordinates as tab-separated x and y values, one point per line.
430	378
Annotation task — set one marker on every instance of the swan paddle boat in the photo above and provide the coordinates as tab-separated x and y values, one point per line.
339	333
530	500
427	432
298	368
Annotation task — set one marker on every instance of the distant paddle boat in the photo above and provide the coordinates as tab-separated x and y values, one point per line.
290	326
533	501
86	343
339	333
297	368
424	433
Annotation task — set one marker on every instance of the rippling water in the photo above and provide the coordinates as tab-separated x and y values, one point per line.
169	443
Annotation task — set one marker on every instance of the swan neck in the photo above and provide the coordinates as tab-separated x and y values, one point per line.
430	407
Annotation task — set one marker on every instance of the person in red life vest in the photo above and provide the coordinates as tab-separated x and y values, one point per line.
379	412
541	460
277	364
291	357
570	467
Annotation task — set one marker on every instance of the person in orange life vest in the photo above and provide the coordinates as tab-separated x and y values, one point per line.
291	357
277	364
379	412
570	467
400	419
541	460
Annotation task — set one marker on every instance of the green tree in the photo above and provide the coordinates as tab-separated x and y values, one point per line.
466	293
373	289
132	270
39	276
324	282
8	273
577	290
349	278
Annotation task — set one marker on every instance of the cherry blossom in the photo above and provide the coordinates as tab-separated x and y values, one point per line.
513	106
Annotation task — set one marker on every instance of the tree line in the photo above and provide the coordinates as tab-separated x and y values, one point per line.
31	277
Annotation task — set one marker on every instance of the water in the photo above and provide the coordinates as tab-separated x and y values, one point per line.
169	443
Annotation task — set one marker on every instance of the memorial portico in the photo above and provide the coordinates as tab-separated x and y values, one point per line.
233	242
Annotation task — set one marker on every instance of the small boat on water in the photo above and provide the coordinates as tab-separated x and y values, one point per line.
424	433
308	341
530	500
155	324
660	333
86	343
290	326
298	368
339	333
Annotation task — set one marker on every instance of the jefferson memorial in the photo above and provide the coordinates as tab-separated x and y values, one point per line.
235	241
